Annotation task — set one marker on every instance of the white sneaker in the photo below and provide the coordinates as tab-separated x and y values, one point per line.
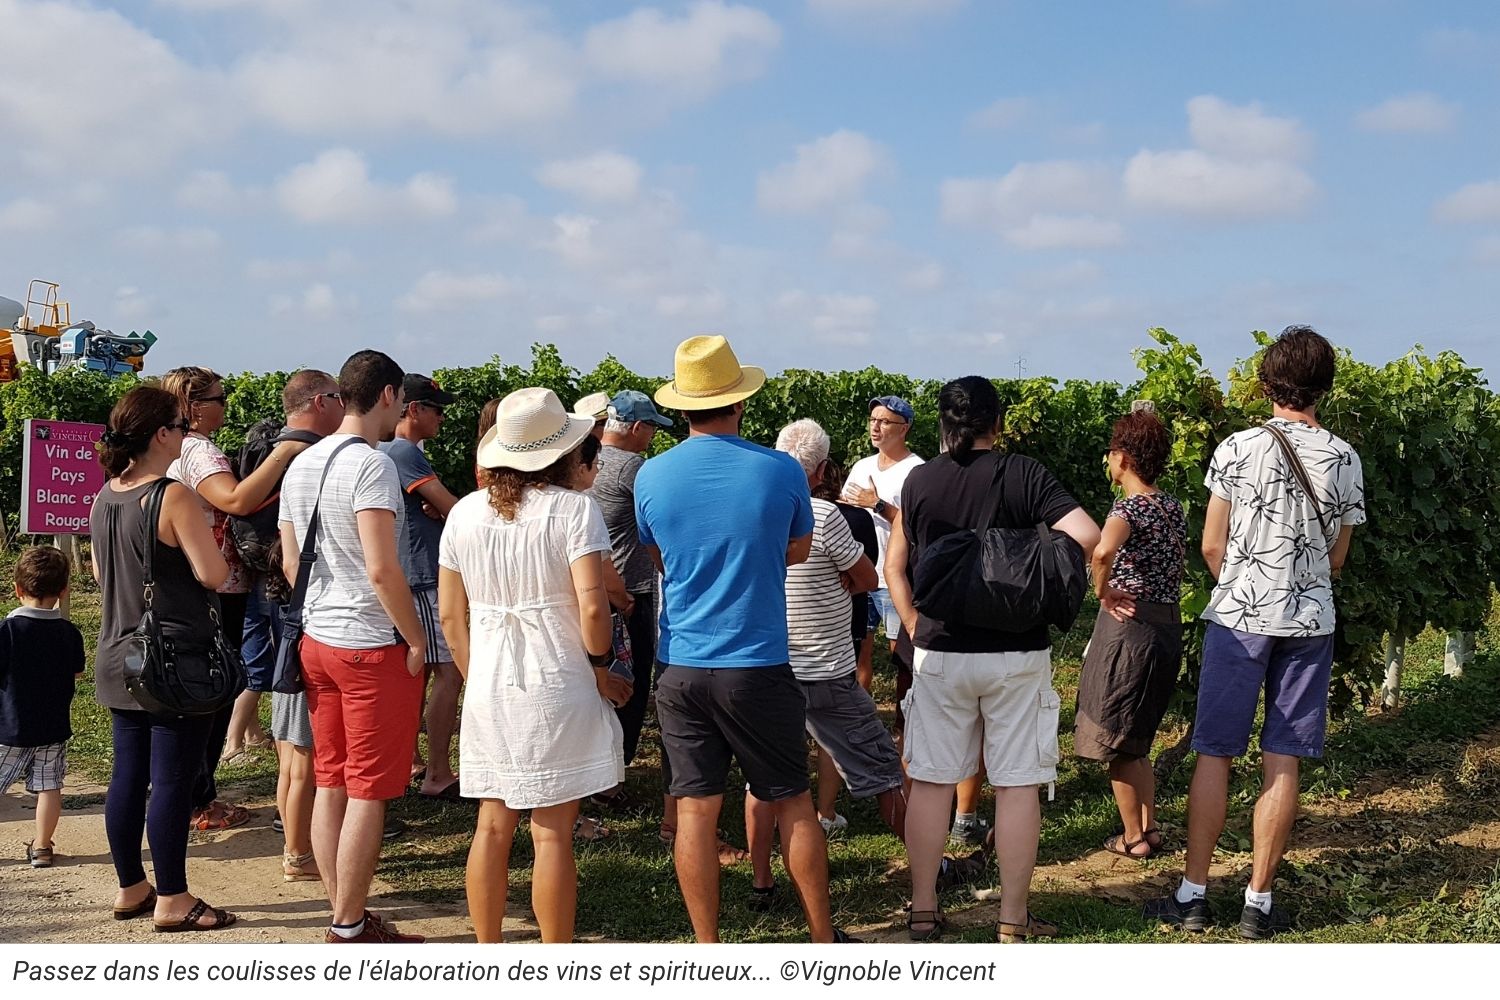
833	827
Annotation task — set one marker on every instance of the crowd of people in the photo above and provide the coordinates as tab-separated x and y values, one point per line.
534	616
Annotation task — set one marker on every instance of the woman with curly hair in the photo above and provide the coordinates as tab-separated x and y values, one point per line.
1130	668
522	601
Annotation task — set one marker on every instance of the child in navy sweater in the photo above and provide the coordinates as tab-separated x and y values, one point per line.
41	655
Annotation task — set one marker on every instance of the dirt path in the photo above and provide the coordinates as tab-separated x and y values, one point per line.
239	870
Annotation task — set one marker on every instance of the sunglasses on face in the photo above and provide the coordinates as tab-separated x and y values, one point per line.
178	425
435	408
337	397
211	399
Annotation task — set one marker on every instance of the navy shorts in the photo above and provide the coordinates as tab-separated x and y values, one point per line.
1294	671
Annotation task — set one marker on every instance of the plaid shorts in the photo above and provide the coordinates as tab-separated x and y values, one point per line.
43	767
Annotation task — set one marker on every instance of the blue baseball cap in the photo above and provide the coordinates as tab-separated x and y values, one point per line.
630	406
896	405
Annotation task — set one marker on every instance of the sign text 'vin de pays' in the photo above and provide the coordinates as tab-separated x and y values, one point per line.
60	474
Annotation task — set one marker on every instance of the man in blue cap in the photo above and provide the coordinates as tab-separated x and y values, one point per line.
631	424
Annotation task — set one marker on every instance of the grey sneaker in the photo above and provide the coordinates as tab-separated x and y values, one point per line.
393	828
1193	917
967	832
1256	925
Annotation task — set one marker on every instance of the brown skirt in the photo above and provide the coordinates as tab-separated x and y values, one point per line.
1129	674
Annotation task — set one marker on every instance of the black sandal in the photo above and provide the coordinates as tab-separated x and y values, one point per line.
222	919
934	917
140	909
1126	848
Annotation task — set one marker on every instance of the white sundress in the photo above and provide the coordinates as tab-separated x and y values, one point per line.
536	732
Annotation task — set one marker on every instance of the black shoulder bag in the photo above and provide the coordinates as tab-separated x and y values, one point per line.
1299	473
164	676
287	678
1001	579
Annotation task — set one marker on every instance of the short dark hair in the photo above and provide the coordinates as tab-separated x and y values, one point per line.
1297	370
1143	437
42	572
696	417
364	377
969	409
304	387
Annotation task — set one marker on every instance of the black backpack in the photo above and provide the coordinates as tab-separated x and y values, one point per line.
1001	579
257	535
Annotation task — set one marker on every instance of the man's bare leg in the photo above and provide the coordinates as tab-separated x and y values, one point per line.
441	718
358	852
1275	814
696	855
1208	801
806	851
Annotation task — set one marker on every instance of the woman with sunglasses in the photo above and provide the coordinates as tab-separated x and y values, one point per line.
206	470
155	758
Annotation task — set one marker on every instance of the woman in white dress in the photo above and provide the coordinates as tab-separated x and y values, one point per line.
522	602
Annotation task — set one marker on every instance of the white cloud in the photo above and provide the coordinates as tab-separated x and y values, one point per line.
89	89
437	291
317	303
700	305
26	215
1058	232
1005	113
336	188
1243	167
1244	132
1487	251
1059	186
389	68
291	270
826	172
1479	202
1192	182
883	8
833	319
926	277
604	176
1412	113
208	191
712	45
131	305
155	239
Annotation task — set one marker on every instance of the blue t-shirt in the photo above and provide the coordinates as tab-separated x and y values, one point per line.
419	553
722	511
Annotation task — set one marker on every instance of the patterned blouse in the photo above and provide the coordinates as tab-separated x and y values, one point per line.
1149	564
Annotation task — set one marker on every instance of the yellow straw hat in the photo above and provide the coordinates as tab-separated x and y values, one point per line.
706	374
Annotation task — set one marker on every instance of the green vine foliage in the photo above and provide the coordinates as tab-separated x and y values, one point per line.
1427	429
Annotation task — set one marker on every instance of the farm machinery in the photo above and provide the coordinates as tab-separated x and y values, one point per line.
41	333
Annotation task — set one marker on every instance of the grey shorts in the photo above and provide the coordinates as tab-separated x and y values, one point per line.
290	722
43	767
427	611
841	716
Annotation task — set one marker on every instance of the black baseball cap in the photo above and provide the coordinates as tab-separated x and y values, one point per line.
422	389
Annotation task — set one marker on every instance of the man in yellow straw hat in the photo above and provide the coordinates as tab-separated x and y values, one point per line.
723	519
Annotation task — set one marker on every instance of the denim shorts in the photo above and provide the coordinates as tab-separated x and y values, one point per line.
1293	670
885	609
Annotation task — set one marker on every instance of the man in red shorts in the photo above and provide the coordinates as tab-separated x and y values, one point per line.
363	645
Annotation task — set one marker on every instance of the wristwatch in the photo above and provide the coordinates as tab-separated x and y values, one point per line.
881	507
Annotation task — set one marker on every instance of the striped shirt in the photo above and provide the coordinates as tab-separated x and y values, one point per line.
817	605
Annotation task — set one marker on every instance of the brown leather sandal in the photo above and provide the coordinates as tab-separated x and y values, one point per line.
222	919
140	909
1033	927
1127	848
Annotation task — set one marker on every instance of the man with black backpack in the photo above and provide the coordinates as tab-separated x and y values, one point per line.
1283	502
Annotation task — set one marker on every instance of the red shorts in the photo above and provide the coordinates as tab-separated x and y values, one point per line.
365	710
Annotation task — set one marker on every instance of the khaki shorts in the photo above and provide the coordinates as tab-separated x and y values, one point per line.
998	707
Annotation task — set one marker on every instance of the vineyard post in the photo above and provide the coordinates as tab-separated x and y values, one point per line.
1395	659
68	546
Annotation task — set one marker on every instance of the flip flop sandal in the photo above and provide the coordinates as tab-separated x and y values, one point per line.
1126	848
728	853
140	909
189	923
620	801
38	857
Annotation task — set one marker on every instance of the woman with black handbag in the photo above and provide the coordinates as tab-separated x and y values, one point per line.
981	682
156	756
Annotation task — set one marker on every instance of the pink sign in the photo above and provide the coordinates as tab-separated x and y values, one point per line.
60	474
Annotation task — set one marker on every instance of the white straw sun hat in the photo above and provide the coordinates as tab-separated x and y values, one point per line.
532	430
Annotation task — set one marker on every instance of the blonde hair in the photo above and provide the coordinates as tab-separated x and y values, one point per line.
188	385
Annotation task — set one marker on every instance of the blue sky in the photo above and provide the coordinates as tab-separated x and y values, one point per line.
930	186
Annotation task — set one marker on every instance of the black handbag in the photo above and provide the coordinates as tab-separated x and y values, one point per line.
165	676
1001	579
287	677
